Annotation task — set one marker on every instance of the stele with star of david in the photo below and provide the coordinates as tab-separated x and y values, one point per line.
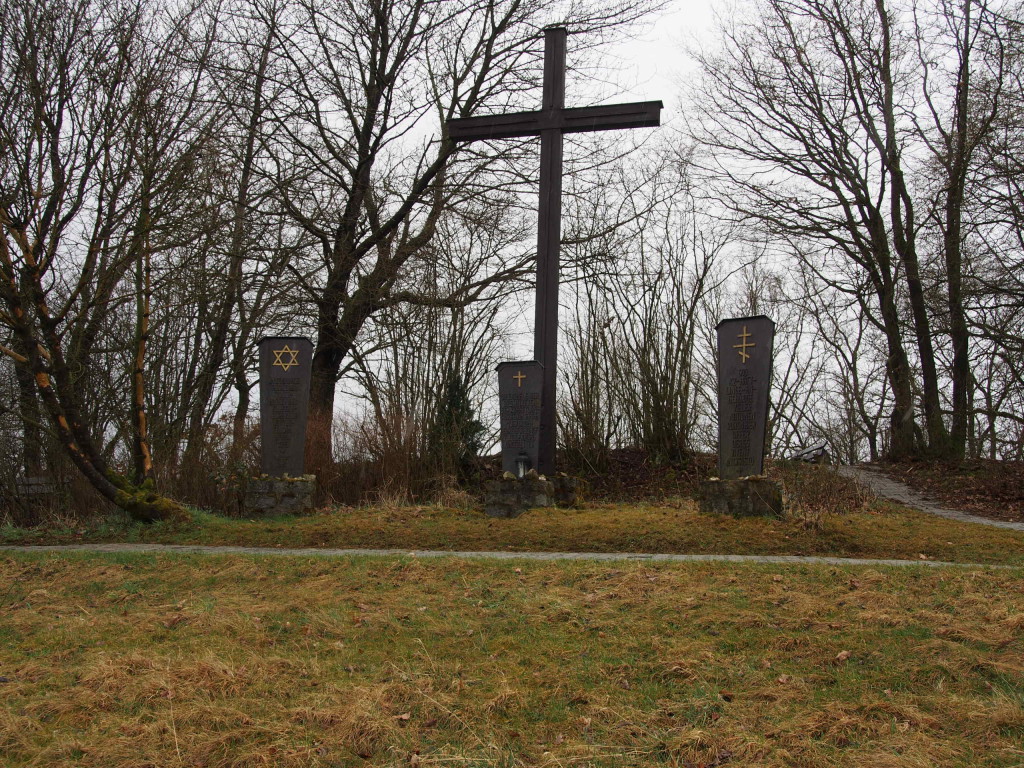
284	385
279	357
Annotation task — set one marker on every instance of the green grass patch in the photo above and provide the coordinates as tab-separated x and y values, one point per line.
237	661
881	531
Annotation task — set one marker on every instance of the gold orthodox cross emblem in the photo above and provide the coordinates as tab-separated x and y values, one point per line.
519	378
279	357
744	345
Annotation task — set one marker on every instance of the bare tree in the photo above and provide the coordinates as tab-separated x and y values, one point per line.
419	374
358	162
807	132
639	377
100	122
962	60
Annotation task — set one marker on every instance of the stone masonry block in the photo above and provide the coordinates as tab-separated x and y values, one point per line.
271	496
755	496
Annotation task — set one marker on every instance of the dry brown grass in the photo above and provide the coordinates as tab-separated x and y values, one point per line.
237	661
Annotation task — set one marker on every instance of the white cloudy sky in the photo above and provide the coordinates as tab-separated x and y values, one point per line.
653	64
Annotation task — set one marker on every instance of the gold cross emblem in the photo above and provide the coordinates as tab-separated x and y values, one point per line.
519	378
281	362
744	345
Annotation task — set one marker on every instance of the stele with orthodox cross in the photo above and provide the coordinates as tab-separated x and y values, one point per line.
744	382
550	123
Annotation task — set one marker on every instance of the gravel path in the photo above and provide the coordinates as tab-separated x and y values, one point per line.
897	491
591	556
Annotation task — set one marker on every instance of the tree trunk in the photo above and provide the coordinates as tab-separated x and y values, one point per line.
903	443
952	246
30	415
138	500
901	210
938	436
140	442
238	421
319	458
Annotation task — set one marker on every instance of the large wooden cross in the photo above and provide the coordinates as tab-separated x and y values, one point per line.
550	122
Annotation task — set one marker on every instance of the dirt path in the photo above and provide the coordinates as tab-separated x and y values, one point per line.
190	549
897	491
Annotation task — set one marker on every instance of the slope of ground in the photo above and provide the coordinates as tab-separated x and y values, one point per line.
993	489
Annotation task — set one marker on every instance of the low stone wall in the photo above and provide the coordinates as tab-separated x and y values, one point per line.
270	496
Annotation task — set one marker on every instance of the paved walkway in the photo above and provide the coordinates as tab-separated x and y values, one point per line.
591	556
885	486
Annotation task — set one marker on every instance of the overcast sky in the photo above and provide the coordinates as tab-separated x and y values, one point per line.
646	68
653	64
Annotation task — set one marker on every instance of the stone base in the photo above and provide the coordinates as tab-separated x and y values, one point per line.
271	496
568	491
746	497
511	496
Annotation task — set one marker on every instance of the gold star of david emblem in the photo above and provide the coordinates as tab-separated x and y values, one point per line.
279	357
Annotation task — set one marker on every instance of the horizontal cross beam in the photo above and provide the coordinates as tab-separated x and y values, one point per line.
641	114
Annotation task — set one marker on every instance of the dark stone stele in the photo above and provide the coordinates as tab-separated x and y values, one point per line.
519	400
284	404
744	381
520	385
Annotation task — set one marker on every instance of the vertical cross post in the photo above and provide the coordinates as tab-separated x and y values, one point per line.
549	233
